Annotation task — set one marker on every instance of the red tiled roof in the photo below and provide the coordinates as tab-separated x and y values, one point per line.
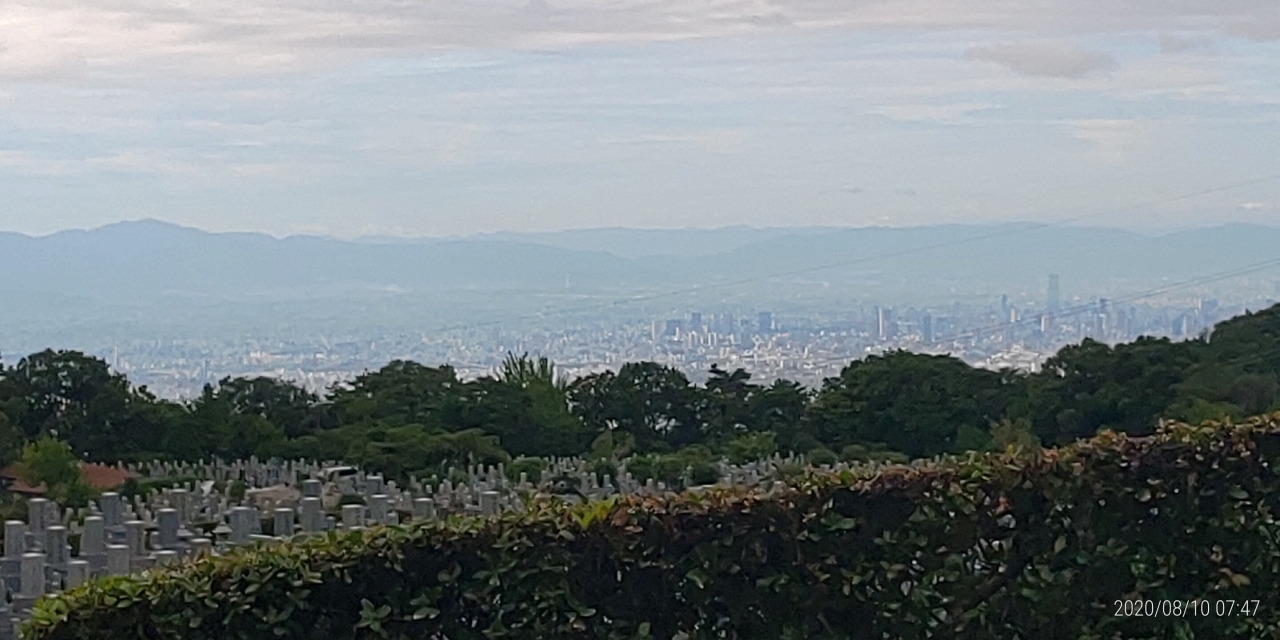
99	476
102	477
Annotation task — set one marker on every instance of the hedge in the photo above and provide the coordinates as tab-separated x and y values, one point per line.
1038	546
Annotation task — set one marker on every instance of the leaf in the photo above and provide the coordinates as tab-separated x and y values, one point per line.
425	612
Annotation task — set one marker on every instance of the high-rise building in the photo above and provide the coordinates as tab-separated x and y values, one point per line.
926	328
764	323
885	326
695	321
1182	326
1055	297
726	323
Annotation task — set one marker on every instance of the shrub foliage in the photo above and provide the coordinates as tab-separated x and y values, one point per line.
1000	545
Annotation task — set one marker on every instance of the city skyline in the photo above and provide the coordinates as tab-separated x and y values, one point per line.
1018	334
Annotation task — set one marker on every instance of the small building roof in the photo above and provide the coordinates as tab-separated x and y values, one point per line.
99	476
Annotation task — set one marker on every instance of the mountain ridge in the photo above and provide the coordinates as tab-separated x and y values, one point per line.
150	257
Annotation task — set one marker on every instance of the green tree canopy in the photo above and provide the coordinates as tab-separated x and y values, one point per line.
51	462
1092	386
281	402
402	392
11	441
653	403
914	403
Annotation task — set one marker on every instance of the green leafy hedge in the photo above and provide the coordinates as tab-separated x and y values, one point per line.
989	546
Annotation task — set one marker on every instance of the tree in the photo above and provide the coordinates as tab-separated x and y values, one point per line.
77	397
751	447
914	403
11	441
57	389
51	462
1092	386
213	426
402	392
724	411
413	450
653	403
1015	434
523	371
280	402
538	419
780	409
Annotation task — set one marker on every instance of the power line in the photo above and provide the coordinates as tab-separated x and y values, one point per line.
1133	297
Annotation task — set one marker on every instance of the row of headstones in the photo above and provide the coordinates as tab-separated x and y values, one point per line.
479	479
38	560
113	537
253	472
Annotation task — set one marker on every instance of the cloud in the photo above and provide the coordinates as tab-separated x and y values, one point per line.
1111	141
936	113
17	161
240	37
26	59
1050	59
711	140
1175	44
157	161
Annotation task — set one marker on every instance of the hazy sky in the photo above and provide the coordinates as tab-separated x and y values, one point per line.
439	117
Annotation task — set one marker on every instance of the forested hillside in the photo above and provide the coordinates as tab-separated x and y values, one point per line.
411	418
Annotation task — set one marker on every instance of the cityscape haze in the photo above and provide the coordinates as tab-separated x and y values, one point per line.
176	308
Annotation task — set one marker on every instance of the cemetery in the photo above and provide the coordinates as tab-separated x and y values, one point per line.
58	548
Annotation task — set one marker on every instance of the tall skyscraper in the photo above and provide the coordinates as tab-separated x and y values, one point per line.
885	327
1055	297
764	322
726	324
695	321
926	328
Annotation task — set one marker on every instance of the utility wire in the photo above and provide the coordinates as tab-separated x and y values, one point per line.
1133	297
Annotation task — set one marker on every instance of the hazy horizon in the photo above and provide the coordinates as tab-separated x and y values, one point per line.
485	235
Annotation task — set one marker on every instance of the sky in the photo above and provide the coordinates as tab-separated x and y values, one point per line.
440	118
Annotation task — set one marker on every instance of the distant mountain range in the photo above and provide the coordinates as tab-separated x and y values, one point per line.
142	260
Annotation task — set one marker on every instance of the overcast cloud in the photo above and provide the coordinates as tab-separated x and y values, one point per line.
385	116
